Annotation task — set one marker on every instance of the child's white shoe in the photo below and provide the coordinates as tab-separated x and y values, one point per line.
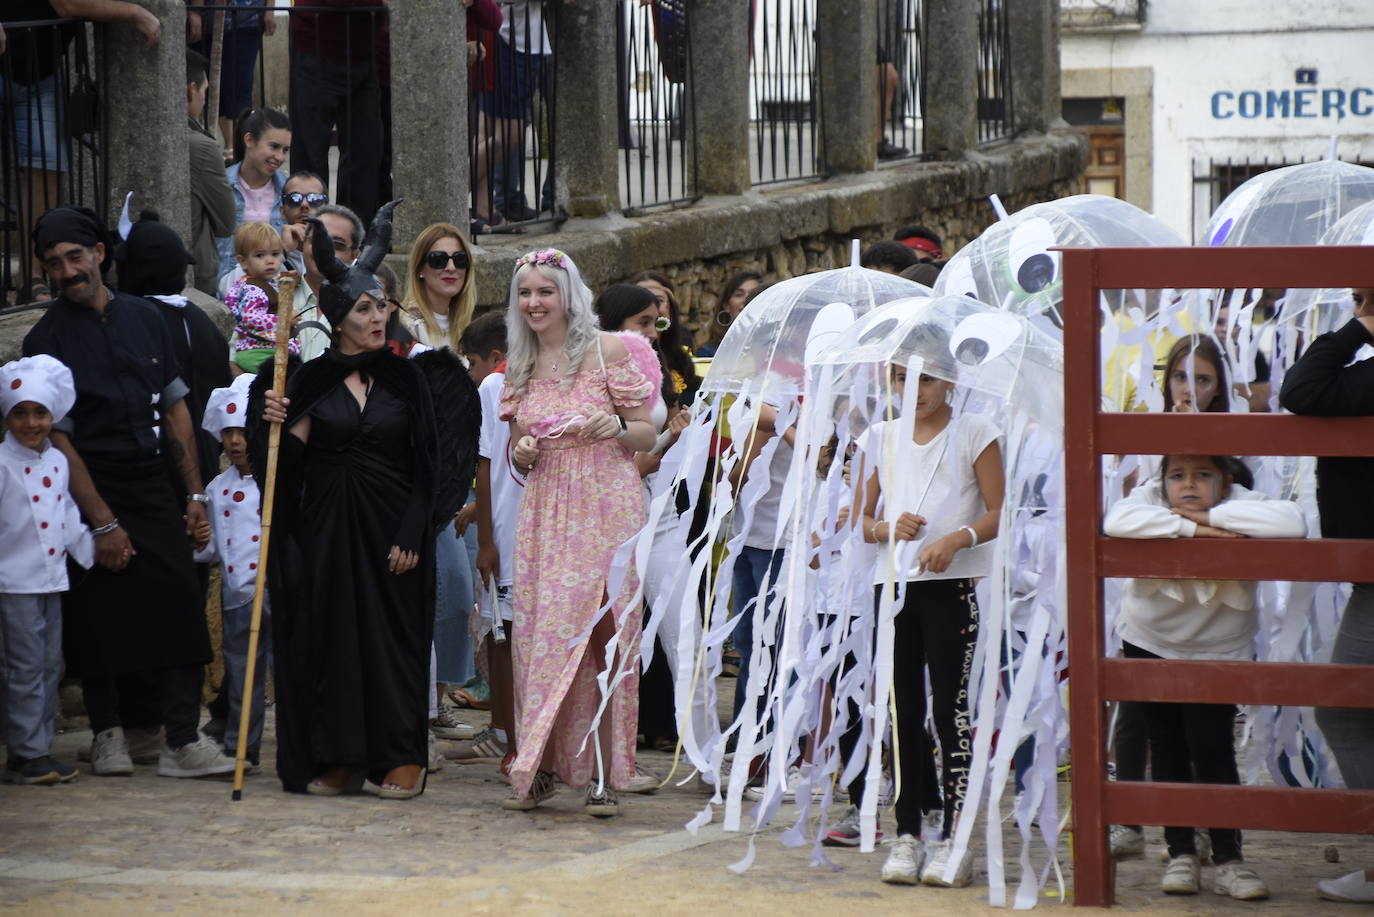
903	866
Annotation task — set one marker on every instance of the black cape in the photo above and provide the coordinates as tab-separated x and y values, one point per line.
352	640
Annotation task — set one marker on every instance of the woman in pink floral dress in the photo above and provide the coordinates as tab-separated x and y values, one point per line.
579	409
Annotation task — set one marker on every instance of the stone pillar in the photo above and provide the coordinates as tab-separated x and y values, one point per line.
846	55
429	116
1034	55
145	128
585	146
719	39
951	62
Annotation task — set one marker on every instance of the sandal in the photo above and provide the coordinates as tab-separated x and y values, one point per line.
396	791
351	786
462	697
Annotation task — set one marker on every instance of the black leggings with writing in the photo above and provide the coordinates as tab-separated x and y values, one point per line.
936	628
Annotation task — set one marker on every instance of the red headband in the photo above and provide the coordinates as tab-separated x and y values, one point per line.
925	245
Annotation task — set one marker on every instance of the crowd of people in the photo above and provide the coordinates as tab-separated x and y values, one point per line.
451	492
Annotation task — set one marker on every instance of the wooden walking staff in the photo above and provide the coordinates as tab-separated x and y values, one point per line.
286	295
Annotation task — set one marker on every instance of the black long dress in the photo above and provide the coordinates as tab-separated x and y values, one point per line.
351	639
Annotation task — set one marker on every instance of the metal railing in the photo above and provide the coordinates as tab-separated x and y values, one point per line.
901	78
654	101
338	93
994	72
784	100
511	105
51	137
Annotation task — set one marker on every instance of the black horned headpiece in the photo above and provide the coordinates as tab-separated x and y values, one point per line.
343	283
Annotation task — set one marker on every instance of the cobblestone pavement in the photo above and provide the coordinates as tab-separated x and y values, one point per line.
147	845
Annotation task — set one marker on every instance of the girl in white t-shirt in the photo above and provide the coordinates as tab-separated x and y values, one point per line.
929	505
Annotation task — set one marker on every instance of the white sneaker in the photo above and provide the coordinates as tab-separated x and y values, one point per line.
1127	842
1352	887
903	865
1236	880
937	858
1181	876
110	754
643	782
201	758
789	795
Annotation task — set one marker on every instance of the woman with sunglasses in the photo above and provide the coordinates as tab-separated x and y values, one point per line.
439	301
440	296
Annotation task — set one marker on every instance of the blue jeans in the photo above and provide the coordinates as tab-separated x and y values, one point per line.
30	669
37	118
1350	730
454	560
751	566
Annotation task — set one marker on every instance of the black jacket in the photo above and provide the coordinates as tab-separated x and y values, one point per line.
1322	383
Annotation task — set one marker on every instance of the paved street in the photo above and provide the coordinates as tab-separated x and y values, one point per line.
146	845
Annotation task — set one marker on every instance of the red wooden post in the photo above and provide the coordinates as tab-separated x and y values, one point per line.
1090	556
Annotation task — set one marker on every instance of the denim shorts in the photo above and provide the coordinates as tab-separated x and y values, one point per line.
516	77
37	116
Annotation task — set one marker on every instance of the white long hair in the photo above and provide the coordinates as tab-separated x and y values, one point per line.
583	330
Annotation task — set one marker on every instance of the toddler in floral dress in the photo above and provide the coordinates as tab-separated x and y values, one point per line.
252	299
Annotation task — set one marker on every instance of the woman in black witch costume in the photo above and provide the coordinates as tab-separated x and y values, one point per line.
367	469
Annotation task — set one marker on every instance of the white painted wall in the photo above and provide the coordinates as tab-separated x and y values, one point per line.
1224	85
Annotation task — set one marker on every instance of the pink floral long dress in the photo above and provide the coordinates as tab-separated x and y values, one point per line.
583	499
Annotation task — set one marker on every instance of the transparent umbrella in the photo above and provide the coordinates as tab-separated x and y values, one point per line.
1321	310
1294	205
1011	265
767	344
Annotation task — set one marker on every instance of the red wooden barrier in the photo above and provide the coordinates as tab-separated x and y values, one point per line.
1095	680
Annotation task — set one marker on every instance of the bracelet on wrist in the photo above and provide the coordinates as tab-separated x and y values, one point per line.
106	529
972	534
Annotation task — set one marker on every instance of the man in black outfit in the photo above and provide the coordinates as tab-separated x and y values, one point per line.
140	609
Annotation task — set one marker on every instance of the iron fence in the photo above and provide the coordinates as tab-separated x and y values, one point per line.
51	138
1215	179
784	98
994	72
337	93
655	105
511	105
901	78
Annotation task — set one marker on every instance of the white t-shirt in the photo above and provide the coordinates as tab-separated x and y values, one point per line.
939	485
522	27
507	484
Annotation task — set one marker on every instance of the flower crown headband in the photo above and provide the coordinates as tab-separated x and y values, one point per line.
549	256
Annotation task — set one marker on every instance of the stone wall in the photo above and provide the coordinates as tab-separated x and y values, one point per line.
796	230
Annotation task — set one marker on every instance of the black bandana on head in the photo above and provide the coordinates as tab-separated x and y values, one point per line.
71	224
152	260
344	284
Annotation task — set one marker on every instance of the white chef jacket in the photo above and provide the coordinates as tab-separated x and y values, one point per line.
39	521
236	521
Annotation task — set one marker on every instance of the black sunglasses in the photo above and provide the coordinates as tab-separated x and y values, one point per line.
314	198
437	259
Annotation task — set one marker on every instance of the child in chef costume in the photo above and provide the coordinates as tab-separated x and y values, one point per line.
39	525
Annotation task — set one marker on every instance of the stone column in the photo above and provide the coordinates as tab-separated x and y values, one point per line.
719	86
1034	64
145	128
429	116
584	106
951	62
846	55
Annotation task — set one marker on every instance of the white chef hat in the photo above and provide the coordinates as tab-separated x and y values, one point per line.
227	407
41	379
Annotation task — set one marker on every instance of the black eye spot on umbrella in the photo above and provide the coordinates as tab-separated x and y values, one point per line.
1036	273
